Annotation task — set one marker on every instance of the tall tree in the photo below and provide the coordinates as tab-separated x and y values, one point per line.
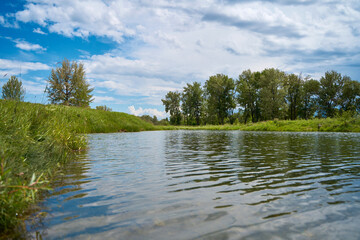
13	89
248	87
82	96
310	91
329	93
219	91
350	94
172	105
272	94
68	85
293	95
192	100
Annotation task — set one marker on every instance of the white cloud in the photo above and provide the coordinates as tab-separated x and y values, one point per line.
35	88
98	99
147	111
127	77
13	67
23	45
38	30
172	43
97	17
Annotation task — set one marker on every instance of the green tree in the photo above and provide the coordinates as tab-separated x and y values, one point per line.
247	87
103	108
192	100
219	92
172	105
68	85
329	93
272	94
13	90
293	95
150	119
310	91
350	94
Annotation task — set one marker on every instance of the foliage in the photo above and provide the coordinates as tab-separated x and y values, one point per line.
192	100
294	95
103	108
248	87
310	91
36	139
329	93
350	95
68	86
219	95
267	95
272	94
150	119
172	105
13	90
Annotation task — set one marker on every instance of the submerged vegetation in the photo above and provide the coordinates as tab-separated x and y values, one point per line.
37	139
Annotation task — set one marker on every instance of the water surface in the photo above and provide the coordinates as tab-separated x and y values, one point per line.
209	185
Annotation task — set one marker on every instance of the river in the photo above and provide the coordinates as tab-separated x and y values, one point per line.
208	185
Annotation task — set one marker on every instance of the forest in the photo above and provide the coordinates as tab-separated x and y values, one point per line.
257	96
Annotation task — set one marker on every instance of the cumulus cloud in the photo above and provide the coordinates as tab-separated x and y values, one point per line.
13	67
79	18
147	111
24	45
36	88
126	77
98	99
160	46
38	30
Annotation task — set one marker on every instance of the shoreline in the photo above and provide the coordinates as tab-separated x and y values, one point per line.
38	139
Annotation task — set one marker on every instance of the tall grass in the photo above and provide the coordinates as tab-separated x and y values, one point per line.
37	139
340	124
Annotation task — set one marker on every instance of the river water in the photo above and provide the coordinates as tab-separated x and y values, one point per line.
209	185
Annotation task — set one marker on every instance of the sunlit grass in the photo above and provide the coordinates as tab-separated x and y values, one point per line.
37	139
341	124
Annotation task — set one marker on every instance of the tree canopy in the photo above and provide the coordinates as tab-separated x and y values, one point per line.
266	95
68	85
13	89
192	100
172	105
219	95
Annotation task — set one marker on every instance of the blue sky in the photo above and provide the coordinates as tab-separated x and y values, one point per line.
135	51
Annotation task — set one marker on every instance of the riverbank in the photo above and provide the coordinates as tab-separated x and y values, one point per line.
37	139
341	124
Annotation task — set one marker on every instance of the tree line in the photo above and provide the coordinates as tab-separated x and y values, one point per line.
260	96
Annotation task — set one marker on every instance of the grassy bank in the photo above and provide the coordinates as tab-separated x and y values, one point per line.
341	124
35	140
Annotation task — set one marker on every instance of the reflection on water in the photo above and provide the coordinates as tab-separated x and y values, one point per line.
209	185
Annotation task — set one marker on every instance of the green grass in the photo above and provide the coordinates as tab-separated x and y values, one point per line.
342	124
37	139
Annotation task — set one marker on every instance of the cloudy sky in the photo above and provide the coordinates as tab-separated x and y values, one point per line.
136	51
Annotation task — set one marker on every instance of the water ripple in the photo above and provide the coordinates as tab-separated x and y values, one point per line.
209	185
